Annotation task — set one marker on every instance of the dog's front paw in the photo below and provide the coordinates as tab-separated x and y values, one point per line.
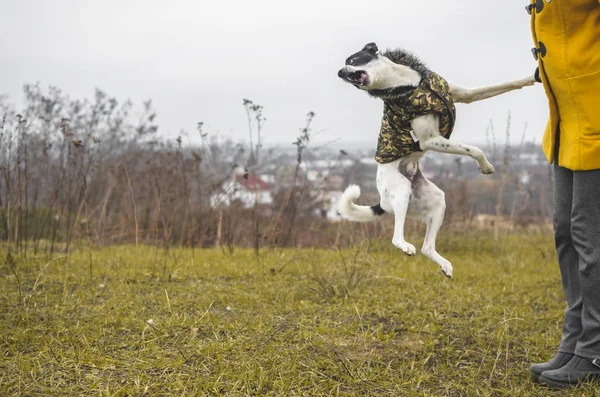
528	81
486	167
406	247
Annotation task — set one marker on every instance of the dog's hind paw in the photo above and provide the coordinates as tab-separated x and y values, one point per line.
407	248
447	270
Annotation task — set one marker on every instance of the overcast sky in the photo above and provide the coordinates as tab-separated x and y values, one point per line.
197	59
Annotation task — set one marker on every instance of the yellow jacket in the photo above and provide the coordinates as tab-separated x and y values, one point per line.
566	34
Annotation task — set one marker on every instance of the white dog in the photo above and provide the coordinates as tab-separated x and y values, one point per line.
418	115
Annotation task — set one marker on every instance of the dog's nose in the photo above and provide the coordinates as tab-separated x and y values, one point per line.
341	73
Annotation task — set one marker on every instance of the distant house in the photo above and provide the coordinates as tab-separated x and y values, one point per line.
331	201
530	158
245	188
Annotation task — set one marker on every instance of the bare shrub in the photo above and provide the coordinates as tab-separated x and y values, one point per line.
97	171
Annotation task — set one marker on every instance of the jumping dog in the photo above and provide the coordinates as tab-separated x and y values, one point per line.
419	115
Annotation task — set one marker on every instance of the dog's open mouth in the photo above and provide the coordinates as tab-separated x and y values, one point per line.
358	78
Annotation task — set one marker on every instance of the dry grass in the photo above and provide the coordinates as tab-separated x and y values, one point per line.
368	321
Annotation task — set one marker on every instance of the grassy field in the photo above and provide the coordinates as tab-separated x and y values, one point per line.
367	321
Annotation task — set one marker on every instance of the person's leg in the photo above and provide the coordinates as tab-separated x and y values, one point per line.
585	233
568	260
585	229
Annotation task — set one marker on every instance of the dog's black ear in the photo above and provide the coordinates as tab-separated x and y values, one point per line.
371	48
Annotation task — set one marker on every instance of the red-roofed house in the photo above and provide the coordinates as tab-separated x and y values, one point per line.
246	188
252	183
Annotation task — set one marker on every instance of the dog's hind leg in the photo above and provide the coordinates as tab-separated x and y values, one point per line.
432	203
400	203
427	130
395	191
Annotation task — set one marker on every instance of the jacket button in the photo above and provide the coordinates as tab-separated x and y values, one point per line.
539	6
541	50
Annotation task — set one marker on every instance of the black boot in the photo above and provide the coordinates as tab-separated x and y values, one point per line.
560	360
578	370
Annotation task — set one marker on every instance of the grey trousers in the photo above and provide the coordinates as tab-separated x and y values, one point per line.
577	238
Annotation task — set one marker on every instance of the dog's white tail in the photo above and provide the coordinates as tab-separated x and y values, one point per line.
357	213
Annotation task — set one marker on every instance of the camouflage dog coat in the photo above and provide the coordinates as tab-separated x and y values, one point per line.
432	95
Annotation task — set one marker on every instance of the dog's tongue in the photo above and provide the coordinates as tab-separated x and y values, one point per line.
362	79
